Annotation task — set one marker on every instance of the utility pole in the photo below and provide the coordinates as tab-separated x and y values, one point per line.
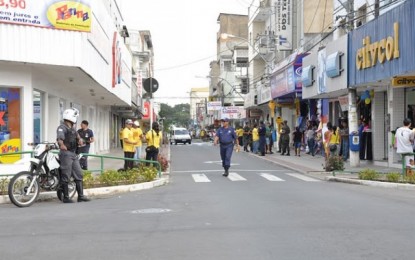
352	93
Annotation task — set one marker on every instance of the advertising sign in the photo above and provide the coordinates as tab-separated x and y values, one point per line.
233	112
214	106
73	15
146	110
284	25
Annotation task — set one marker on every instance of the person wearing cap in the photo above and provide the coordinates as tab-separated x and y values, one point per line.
226	137
137	135
154	138
129	143
88	137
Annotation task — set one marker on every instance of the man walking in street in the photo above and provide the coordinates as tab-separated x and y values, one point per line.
87	136
226	137
68	140
404	138
247	137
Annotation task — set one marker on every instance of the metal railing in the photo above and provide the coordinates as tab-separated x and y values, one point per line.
102	157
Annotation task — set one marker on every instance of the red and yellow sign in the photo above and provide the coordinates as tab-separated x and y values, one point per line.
74	15
10	146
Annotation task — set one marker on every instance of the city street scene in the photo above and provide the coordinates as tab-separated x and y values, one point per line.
237	129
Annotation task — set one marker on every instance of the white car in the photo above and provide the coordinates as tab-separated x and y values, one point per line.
180	135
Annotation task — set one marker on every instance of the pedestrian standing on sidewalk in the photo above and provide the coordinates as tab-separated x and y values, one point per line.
310	137
226	138
88	137
138	136
246	136
262	138
285	139
68	140
297	138
240	134
128	140
344	135
404	139
268	136
255	139
120	136
154	137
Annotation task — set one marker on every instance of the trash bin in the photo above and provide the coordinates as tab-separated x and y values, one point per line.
354	141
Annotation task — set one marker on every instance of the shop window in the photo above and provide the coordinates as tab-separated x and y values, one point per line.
10	130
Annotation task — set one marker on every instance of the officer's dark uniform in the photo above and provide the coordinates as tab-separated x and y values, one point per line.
262	142
227	137
69	163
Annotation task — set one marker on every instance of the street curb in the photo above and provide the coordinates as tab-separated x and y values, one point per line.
399	186
96	192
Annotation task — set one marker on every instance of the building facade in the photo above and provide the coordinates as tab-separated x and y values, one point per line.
75	60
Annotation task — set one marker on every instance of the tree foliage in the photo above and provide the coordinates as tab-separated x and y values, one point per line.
179	115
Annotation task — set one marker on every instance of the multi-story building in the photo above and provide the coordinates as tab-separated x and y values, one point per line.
59	59
229	73
198	108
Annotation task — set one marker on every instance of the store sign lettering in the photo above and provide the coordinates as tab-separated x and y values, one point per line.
403	82
380	51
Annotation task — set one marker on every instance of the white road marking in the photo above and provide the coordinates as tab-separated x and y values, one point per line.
270	177
221	170
233	176
302	177
200	178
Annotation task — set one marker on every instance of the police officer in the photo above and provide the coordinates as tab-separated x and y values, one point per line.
226	137
68	140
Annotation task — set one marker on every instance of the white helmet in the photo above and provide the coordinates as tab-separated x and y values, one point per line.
71	114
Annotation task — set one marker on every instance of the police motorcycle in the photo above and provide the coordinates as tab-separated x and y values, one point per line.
43	174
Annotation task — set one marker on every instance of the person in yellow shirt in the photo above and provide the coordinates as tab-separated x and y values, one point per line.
255	139
137	136
128	140
240	134
153	137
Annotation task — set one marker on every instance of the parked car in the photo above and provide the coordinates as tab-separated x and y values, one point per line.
180	135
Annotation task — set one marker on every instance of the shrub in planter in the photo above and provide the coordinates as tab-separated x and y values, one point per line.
88	179
164	163
410	179
4	184
368	174
393	177
110	178
148	173
334	163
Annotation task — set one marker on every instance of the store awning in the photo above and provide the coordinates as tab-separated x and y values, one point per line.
286	77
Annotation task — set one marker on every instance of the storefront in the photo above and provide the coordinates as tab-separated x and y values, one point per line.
381	68
286	90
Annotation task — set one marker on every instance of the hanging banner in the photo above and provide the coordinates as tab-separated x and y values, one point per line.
146	110
73	15
214	105
284	25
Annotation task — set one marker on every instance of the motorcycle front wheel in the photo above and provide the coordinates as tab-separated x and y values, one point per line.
71	188
20	192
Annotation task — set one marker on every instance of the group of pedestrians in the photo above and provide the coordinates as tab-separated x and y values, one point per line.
258	138
132	138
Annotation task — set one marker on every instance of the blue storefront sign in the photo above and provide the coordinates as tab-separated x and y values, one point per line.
383	48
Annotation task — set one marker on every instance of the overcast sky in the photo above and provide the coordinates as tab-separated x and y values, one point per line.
184	39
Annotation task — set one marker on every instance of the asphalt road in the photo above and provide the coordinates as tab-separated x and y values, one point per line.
261	211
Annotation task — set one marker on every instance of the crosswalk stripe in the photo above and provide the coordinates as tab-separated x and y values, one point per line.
200	178
233	176
270	177
302	177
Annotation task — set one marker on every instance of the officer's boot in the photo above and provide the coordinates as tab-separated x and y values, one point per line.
226	172
65	190
80	191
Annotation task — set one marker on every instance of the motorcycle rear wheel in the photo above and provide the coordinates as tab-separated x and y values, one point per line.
19	186
72	190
